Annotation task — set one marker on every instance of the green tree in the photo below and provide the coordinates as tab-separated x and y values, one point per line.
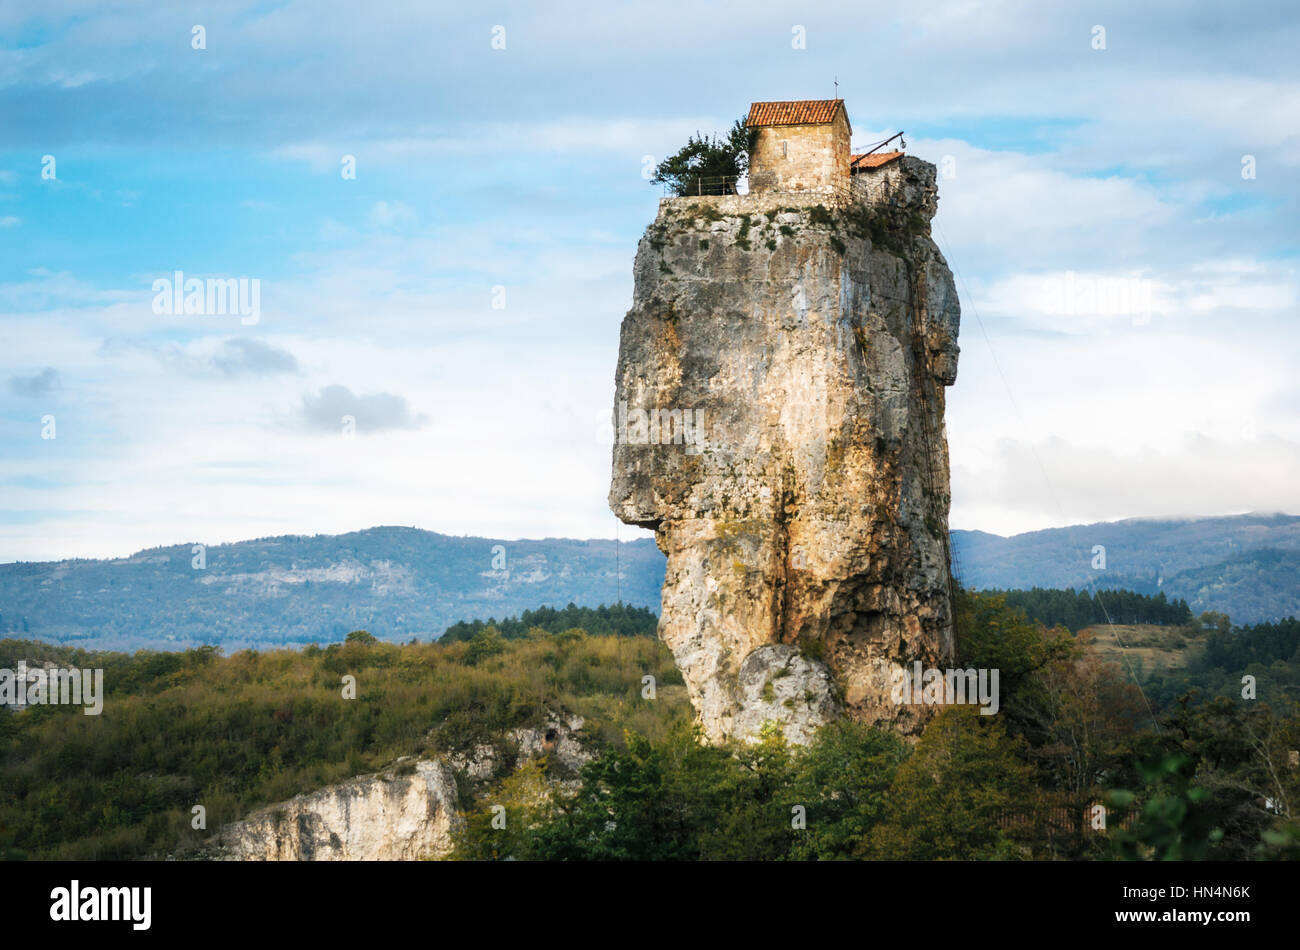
487	642
627	809
506	822
843	781
1215	783
994	636
753	802
675	800
948	800
1177	820
703	165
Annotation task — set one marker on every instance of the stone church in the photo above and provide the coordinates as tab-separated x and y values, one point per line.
803	145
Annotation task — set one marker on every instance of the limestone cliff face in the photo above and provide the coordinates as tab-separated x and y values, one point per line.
405	813
779	418
389	816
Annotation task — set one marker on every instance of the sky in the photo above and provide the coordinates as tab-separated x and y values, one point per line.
1118	199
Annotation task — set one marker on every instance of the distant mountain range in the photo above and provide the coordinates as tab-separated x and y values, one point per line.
400	583
1247	566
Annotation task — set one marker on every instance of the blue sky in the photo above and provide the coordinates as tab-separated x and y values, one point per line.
514	176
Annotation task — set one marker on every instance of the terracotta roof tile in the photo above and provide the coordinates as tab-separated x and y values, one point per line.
797	112
874	160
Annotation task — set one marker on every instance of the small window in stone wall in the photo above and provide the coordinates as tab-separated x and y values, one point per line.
784	151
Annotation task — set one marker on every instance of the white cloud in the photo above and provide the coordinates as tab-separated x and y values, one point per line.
390	214
1137	178
1024	485
561	136
1081	303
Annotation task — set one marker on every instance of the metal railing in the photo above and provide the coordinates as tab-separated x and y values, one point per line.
840	193
707	185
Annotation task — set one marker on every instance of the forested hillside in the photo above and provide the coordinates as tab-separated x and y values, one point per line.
1247	566
1075	610
234	733
398	583
1186	766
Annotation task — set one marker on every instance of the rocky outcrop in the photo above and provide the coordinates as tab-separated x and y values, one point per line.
403	814
561	740
408	812
779	417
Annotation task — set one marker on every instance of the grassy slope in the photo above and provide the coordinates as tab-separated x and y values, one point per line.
235	733
1148	647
